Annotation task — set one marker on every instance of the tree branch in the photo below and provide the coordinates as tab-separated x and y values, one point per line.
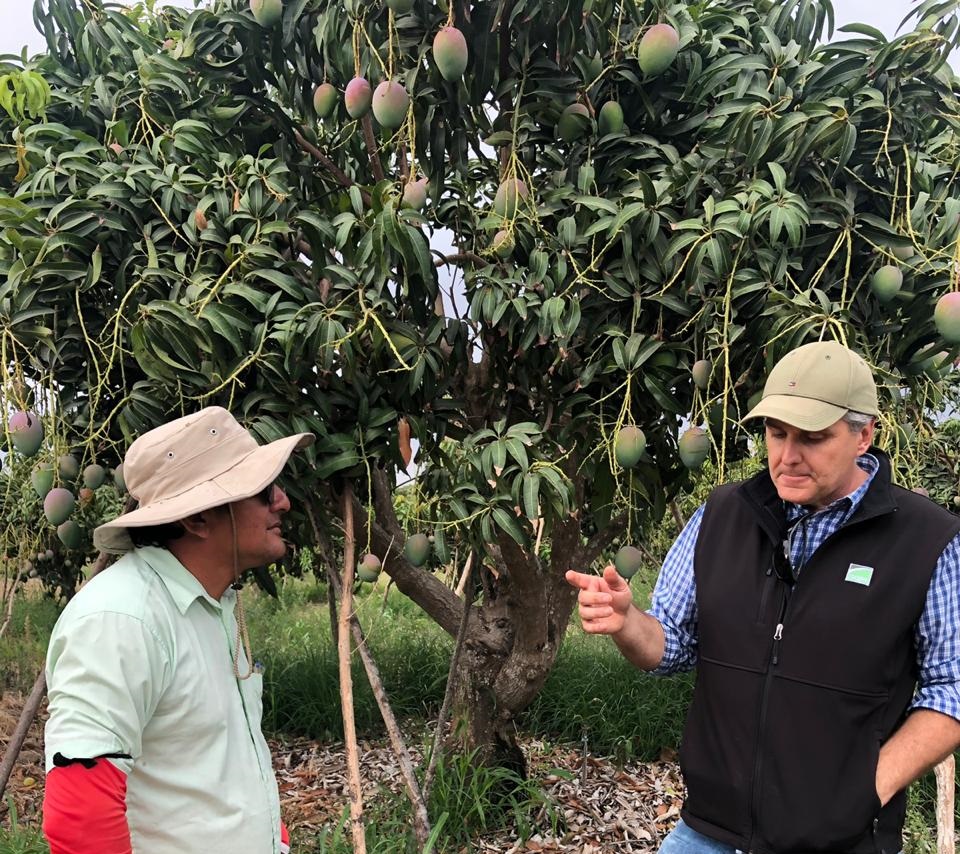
328	164
371	144
459	258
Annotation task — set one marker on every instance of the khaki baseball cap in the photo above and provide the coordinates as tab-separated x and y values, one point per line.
815	385
194	463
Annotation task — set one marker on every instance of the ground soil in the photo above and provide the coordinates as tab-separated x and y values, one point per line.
601	807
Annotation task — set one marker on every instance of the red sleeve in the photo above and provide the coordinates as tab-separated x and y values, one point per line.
85	810
284	837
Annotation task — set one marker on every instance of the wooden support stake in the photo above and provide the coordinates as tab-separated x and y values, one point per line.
421	822
465	582
346	679
946	773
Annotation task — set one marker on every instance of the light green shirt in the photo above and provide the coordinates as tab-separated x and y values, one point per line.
141	662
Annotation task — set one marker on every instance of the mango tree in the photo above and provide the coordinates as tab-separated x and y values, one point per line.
538	240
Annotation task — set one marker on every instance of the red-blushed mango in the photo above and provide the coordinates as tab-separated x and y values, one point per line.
369	568
628	560
694	447
118	480
85	494
920	491
509	195
503	243
70	534
266	12
58	505
400	7
417	549
390	103
69	467
358	97
450	53
26	432
415	194
324	100
946	316
629	446
573	123
41	479
93	476
701	373
610	118
658	48
885	282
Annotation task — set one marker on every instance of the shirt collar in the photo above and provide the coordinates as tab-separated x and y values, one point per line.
849	503
182	585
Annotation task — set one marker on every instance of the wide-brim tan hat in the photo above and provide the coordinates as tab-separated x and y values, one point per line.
192	464
814	386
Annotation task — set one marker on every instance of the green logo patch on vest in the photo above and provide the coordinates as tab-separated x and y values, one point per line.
859	574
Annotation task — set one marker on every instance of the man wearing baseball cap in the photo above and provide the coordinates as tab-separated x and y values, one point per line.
820	604
153	742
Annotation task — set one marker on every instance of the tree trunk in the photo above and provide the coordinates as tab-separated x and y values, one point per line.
514	633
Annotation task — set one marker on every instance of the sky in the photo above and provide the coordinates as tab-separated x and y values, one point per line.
18	29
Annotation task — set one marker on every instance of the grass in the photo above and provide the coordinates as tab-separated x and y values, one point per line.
592	694
20	839
24	644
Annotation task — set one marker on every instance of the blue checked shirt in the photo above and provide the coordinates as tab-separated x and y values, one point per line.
674	601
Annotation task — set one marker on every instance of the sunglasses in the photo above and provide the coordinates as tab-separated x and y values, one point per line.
268	494
782	565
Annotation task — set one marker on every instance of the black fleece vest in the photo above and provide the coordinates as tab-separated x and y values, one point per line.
781	743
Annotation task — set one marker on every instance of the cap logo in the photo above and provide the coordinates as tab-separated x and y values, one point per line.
791	384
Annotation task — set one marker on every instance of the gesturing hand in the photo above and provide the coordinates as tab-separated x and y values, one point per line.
604	600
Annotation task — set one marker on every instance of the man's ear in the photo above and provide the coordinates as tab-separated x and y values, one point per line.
866	437
198	524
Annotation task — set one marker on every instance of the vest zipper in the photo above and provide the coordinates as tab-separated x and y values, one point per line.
778	632
774	658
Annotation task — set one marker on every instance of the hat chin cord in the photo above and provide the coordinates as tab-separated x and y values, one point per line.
242	637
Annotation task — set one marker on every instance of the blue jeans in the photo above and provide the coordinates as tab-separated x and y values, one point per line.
685	840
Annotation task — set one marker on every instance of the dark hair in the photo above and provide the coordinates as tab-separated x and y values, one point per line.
156	535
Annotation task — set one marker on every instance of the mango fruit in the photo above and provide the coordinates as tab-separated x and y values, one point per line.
629	446
390	103
610	118
886	282
694	446
415	194
417	549
369	568
41	479
93	476
510	194
358	97
324	100
450	53
628	560
26	432
58	505
946	316
70	534
701	373
266	12
658	48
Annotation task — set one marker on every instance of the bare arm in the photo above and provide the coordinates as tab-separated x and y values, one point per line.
606	607
926	738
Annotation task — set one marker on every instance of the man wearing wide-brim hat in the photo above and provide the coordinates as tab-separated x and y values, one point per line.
820	604
154	742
